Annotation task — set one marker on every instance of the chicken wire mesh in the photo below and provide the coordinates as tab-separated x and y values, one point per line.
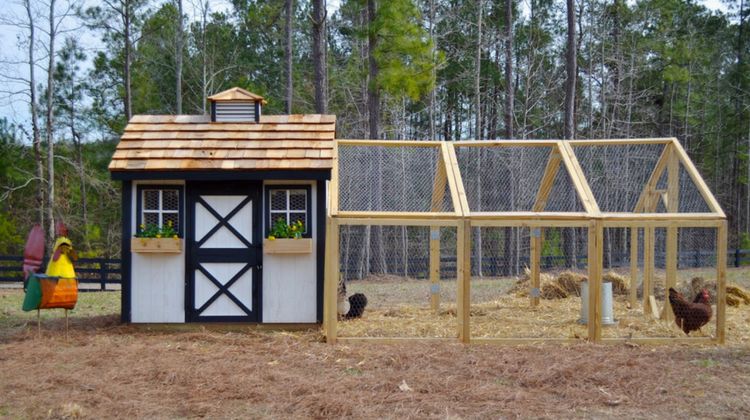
650	317
501	286
385	288
508	178
617	175
391	178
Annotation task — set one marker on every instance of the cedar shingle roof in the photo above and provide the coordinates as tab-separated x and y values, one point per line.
184	142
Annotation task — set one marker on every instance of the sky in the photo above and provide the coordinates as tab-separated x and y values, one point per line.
15	107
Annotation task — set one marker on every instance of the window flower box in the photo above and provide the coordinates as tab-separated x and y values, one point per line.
287	246
156	245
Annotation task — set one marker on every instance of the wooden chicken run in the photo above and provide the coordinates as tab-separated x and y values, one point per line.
636	211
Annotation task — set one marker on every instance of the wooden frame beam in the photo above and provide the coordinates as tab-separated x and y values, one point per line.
331	279
505	143
578	178
390	143
454	174
618	142
463	262
333	186
721	282
595	262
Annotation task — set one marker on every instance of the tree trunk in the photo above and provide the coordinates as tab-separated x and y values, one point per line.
373	92
478	75
509	91
431	108
126	4
319	56
570	66
37	138
50	127
288	55
178	60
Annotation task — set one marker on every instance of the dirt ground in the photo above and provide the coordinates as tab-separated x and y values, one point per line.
106	370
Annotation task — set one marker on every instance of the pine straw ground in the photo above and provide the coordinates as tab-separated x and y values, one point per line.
108	370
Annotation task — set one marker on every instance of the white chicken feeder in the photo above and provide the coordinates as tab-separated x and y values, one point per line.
605	302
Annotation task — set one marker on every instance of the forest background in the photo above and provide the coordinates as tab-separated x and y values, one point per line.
397	69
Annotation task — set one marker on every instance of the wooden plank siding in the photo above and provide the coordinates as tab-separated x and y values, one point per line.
186	142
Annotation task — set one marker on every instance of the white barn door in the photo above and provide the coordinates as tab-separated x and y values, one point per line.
224	257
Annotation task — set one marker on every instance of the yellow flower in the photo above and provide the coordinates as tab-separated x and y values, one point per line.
175	236
158	235
271	237
169	223
143	226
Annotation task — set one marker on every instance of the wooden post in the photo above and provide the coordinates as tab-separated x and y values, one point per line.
435	268
331	279
648	267
534	260
633	266
463	259
721	282
595	259
438	195
673	191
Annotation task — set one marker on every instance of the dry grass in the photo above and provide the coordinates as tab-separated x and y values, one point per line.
107	370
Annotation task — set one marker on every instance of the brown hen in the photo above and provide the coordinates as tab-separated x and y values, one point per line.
690	316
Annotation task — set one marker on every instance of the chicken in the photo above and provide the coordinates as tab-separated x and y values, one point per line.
352	307
357	304
690	316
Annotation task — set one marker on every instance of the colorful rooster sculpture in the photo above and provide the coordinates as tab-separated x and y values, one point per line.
58	287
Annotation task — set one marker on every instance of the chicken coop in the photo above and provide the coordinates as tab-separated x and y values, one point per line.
521	241
223	215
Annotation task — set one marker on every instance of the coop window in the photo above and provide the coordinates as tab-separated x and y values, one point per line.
289	203
160	205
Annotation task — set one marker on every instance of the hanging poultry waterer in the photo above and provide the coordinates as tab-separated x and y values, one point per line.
605	303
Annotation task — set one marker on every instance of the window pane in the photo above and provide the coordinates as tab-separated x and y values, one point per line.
276	216
278	199
294	217
298	200
170	200
151	199
171	217
151	219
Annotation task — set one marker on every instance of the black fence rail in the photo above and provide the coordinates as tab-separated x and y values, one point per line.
492	266
99	271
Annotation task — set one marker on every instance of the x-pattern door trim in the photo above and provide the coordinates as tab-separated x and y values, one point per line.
223	221
223	289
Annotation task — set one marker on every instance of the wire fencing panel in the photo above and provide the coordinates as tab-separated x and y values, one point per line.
391	178
618	175
389	266
508	178
501	304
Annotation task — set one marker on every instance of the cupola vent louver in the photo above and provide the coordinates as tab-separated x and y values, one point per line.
236	105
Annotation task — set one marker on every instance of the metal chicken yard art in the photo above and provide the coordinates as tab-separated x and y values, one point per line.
58	286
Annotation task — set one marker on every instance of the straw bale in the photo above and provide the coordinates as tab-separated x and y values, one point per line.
733	300
571	282
739	293
619	283
553	290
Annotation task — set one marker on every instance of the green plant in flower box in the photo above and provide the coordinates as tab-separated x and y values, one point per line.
281	229
154	231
